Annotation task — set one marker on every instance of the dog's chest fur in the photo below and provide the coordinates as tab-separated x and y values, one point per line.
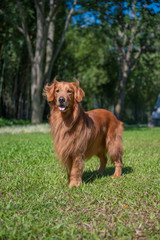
71	135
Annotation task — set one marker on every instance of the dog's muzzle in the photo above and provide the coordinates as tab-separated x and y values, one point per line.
62	104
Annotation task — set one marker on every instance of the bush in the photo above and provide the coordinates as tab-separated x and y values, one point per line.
6	122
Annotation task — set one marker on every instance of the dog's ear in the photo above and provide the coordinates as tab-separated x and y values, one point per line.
79	93
49	91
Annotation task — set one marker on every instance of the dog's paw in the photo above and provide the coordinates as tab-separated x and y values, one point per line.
75	183
115	175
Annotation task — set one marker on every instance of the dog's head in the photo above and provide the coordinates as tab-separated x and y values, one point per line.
64	94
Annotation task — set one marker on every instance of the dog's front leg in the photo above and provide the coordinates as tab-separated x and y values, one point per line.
76	171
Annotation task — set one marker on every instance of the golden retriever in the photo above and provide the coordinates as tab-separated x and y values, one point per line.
78	135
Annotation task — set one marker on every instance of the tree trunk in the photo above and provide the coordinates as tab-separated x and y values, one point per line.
37	111
123	76
36	95
125	47
120	104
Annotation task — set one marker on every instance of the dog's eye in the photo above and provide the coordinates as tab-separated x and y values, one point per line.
69	91
57	91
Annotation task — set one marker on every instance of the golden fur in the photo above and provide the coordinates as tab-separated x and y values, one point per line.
78	135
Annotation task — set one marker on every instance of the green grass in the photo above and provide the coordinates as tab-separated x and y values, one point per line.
36	202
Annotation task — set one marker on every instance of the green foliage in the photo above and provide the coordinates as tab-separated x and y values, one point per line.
5	122
36	202
90	57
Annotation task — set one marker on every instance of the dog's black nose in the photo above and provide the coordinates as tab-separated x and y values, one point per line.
61	99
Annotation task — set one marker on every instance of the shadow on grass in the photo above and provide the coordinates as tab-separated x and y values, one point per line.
90	176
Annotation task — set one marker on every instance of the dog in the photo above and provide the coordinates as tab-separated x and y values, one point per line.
78	135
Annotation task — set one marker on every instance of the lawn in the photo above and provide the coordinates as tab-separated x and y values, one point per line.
36	203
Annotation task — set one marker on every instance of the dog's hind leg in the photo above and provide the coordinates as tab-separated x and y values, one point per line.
115	149
103	162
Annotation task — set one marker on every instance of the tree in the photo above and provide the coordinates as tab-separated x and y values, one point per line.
135	33
129	25
42	52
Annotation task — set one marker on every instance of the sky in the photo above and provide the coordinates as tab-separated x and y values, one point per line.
91	17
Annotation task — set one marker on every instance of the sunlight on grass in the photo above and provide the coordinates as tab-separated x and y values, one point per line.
38	128
36	202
